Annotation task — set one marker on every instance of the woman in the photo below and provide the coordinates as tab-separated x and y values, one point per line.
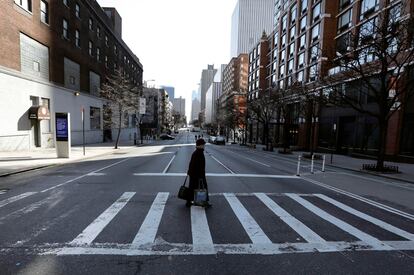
197	171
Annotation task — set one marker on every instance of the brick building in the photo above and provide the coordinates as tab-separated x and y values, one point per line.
57	53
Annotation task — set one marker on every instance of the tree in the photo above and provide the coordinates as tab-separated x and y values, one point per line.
122	97
372	75
264	108
232	116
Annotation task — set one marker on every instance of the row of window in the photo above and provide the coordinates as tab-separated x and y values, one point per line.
44	8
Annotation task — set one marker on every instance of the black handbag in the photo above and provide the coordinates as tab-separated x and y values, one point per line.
184	192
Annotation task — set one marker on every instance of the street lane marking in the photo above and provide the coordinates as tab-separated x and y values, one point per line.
369	218
368	201
304	231
96	174
261	163
228	169
168	165
177	249
77	178
368	239
95	228
218	175
251	227
16	198
202	240
148	230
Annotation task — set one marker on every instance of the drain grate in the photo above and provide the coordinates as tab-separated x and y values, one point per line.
119	153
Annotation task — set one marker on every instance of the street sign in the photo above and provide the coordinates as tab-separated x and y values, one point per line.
142	105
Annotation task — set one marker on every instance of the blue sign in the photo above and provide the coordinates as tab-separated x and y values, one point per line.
62	127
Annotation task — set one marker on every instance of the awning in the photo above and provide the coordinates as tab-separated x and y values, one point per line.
39	112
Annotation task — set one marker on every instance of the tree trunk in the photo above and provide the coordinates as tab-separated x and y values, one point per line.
383	128
119	128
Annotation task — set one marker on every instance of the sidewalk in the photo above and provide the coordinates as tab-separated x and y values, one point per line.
354	164
21	161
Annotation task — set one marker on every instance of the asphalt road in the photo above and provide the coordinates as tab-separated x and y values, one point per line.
119	214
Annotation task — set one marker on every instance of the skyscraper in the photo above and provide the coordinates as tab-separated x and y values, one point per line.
170	91
250	18
207	77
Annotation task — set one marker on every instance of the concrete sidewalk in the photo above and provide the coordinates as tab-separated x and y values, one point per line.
354	164
21	161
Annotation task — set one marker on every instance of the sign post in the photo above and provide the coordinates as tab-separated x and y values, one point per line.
62	135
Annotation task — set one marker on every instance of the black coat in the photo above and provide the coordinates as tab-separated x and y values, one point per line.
197	171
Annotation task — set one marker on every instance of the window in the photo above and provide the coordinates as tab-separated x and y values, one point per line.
106	40
293	15
292	33
283	40
90	47
344	3
98	31
65	2
316	12
36	66
303	24
367	31
292	49
77	38
304	5
290	66
282	56
90	24
302	42
315	32
44	11
65	28
284	23
300	76
25	4
345	21
95	118
301	60
368	7
106	61
313	72
343	43
98	54
314	52
77	10
282	71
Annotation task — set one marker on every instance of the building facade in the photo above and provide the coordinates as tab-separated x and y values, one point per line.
207	77
170	91
58	54
250	18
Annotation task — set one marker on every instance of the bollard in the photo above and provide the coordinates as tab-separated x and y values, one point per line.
312	164
323	163
298	170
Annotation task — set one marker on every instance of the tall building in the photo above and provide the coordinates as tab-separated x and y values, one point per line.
179	105
207	77
212	96
195	108
58	54
250	18
170	91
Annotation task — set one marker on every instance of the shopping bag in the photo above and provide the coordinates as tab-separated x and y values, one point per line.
184	192
200	194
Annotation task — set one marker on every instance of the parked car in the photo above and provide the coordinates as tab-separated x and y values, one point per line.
211	139
166	137
220	140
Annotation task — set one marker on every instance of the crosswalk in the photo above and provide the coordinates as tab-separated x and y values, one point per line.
148	240
272	216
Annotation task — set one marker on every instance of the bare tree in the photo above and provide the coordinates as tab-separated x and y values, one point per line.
374	75
122	97
264	109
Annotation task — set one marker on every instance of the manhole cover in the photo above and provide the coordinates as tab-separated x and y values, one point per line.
2	191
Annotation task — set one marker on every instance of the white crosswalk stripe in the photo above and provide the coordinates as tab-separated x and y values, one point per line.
374	242
93	230
149	228
254	231
146	241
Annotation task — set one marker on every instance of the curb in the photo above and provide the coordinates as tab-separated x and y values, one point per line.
54	164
